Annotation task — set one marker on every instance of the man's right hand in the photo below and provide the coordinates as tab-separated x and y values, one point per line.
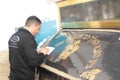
43	50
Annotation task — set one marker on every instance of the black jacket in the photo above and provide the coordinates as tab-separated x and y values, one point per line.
23	56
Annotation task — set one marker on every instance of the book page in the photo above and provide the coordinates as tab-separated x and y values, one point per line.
50	49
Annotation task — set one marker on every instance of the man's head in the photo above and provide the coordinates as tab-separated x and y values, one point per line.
33	24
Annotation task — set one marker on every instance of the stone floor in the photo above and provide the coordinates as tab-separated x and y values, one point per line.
4	65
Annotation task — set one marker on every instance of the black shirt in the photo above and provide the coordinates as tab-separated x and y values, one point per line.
23	56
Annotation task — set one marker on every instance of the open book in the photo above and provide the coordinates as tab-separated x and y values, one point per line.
50	49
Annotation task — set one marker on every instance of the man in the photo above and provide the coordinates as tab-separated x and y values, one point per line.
23	56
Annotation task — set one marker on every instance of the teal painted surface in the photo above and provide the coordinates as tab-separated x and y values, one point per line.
59	42
48	29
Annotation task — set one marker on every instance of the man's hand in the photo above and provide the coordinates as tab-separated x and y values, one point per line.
43	50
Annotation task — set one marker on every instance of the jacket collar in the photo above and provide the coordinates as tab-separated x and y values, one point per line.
25	30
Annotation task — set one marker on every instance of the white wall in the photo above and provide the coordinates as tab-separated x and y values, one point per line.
13	13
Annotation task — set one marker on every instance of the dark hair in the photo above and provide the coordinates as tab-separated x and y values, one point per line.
32	20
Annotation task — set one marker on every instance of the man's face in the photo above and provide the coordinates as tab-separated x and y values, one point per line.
37	28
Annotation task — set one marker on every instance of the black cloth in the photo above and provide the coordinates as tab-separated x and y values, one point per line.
111	60
48	75
23	56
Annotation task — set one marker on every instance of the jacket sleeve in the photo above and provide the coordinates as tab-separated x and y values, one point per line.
34	59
